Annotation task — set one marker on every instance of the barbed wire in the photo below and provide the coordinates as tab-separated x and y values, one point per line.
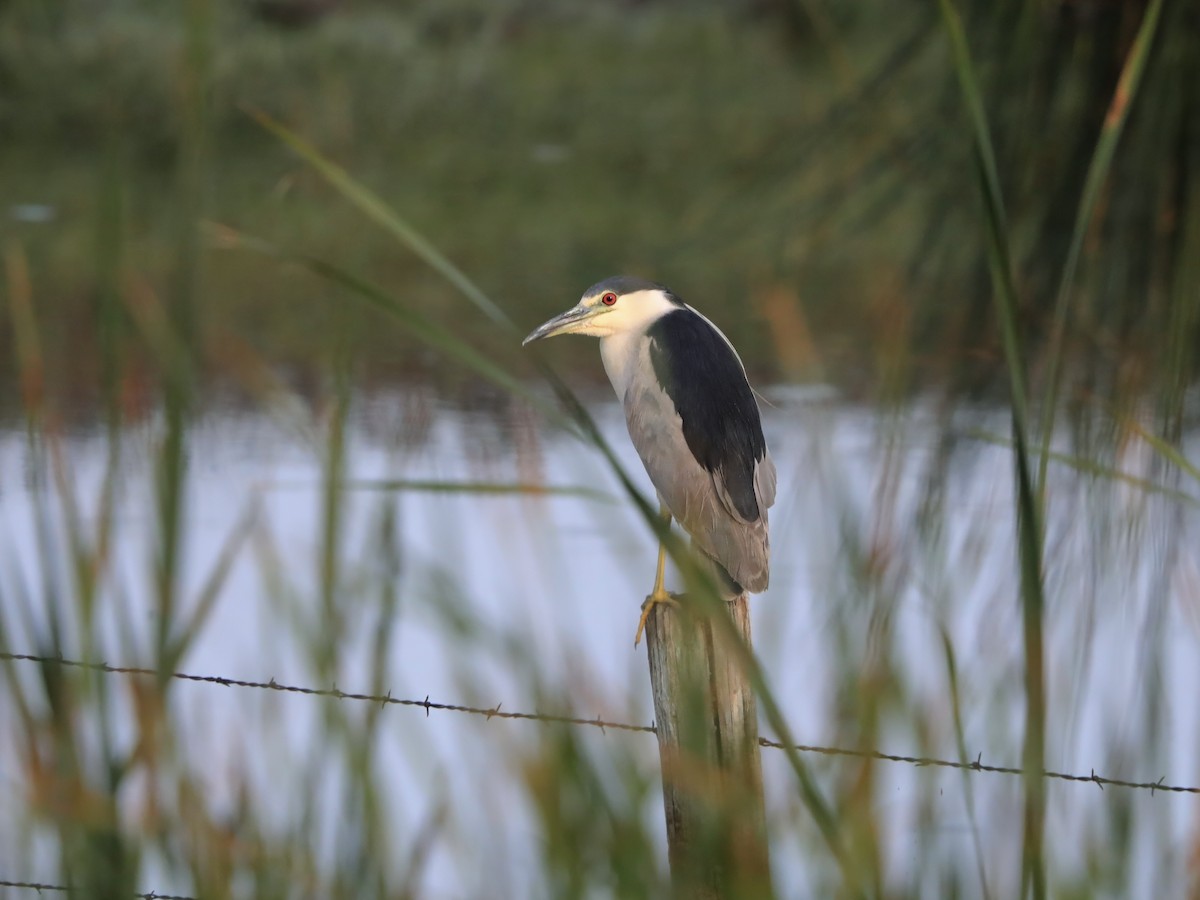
495	712
42	888
334	693
977	765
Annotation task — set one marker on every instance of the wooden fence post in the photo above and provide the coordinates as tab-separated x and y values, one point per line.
707	722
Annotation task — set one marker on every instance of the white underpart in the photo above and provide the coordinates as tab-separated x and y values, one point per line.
622	333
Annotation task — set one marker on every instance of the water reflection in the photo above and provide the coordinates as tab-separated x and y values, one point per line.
888	545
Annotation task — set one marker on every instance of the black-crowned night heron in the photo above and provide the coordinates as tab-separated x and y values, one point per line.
693	419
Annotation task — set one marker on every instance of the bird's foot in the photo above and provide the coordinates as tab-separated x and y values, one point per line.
660	596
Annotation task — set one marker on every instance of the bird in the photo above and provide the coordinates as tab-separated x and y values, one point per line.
694	421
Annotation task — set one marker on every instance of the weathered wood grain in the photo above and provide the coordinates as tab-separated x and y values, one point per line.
707	722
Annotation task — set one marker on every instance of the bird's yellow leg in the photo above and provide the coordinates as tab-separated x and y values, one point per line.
660	593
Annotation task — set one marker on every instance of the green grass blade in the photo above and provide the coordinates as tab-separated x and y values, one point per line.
418	325
1167	451
374	208
188	631
1029	527
480	488
999	255
1097	174
1109	473
27	344
960	742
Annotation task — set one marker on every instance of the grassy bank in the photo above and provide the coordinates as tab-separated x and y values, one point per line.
809	187
541	152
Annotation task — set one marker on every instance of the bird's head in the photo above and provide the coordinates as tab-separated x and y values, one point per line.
614	306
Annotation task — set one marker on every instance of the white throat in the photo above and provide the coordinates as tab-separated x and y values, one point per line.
624	340
618	353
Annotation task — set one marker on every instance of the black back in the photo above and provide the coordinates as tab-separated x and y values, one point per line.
702	376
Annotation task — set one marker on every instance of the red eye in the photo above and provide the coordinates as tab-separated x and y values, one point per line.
609	299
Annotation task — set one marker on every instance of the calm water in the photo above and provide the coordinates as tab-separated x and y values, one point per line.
565	575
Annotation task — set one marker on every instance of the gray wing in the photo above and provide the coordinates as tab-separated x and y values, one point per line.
699	500
764	490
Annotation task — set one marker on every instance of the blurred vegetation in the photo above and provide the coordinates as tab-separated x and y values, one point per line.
799	172
808	174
